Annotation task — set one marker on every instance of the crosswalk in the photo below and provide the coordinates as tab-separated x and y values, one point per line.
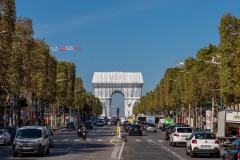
100	140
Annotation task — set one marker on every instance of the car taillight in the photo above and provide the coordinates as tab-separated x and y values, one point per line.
169	130
176	134
217	142
194	141
238	156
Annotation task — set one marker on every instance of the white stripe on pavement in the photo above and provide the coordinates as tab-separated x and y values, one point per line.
160	141
77	140
88	140
138	140
99	140
66	140
150	140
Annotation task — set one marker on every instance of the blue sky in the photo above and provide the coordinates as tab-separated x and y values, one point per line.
145	36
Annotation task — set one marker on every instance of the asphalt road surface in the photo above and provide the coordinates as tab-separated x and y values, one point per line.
98	146
67	146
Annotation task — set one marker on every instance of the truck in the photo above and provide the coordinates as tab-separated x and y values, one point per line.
150	119
228	125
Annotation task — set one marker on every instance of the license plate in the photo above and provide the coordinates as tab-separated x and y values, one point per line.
84	133
26	148
184	136
135	129
205	146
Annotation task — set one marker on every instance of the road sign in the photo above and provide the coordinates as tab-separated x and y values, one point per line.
5	117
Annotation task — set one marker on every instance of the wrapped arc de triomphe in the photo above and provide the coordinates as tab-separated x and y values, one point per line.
128	83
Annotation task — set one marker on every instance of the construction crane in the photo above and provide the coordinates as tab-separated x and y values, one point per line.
65	48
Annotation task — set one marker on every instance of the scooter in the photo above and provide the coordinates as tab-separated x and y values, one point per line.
79	133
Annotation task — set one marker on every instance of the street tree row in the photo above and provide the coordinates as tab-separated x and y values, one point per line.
214	74
29	70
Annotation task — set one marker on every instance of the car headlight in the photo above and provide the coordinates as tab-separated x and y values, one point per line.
1	138
38	141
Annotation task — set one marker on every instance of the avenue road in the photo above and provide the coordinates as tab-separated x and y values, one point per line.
98	146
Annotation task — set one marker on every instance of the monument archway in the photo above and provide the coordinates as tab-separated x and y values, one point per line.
128	83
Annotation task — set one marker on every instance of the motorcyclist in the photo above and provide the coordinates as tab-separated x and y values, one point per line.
80	130
84	132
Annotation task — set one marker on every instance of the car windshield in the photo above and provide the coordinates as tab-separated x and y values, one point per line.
135	126
29	133
88	123
184	130
1	131
205	136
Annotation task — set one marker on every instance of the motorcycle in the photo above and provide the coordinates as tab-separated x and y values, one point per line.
84	135
79	133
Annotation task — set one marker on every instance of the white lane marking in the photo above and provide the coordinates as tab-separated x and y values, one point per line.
172	152
77	140
99	140
138	140
160	141
88	140
54	140
66	140
149	140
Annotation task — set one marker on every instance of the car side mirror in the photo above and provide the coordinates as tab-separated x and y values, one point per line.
186	139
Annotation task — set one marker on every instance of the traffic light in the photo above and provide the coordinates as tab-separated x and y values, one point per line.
117	110
22	102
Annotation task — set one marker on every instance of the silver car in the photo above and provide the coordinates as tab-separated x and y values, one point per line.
151	128
100	123
5	137
31	140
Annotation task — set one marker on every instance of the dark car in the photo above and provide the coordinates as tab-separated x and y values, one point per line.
70	125
169	131
233	152
88	124
12	131
135	129
164	126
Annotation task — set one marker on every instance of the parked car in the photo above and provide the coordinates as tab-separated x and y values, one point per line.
88	124
233	152
169	131
50	132
31	140
5	137
70	125
151	128
179	135
135	129
12	131
202	143
100	123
